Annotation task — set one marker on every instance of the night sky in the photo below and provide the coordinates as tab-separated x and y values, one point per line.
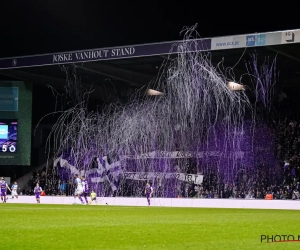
37	27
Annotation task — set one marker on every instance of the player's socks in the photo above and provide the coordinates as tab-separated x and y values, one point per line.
86	200
80	198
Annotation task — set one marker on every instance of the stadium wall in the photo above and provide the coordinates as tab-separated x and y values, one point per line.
170	202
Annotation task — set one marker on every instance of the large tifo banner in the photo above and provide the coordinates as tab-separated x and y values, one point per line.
181	155
15	122
111	172
139	176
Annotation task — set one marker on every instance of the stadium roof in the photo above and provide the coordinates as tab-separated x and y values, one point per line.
119	69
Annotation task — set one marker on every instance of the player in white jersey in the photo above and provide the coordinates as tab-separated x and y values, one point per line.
78	189
14	190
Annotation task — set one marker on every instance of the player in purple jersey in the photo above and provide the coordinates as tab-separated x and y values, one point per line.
148	192
37	191
85	186
3	187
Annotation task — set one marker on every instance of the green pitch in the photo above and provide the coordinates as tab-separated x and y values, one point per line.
105	227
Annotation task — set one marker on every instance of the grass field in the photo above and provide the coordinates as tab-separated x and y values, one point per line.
106	227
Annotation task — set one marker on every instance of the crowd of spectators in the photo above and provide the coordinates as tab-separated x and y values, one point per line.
279	192
287	149
49	180
287	152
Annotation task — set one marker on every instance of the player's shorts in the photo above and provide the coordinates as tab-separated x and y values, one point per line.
93	199
148	196
85	194
37	195
78	191
14	193
3	193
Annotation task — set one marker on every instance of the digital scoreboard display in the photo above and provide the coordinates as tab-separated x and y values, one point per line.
8	136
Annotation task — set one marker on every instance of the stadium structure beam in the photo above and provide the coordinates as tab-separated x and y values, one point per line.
26	76
133	78
58	82
285	54
165	57
154	49
295	82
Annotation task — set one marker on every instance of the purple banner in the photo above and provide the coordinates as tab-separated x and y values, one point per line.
103	54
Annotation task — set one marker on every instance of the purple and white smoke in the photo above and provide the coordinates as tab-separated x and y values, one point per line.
198	127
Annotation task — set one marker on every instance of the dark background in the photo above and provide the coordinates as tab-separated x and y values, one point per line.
33	27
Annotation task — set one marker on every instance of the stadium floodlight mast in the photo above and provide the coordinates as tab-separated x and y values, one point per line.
154	92
235	86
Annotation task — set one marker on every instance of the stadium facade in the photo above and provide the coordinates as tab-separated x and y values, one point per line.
155	49
118	59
